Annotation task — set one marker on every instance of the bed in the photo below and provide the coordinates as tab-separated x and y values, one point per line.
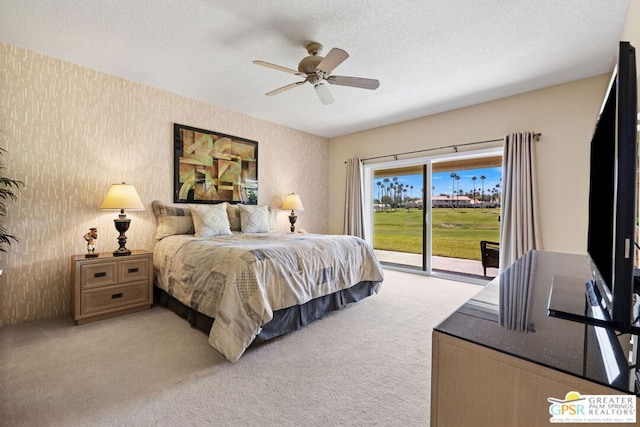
252	284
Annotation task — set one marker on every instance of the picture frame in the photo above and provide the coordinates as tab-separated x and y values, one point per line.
212	167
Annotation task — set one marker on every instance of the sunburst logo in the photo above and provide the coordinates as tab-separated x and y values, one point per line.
573	404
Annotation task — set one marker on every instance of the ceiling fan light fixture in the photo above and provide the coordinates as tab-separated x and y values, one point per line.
323	93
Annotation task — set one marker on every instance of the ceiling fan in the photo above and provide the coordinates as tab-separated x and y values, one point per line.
317	70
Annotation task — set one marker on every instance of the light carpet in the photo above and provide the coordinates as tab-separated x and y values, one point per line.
368	364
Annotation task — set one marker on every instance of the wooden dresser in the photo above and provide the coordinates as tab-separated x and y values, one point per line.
107	285
501	359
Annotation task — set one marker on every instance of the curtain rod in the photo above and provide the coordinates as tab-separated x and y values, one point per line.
536	136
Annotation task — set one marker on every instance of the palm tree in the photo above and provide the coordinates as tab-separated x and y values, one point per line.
453	186
482	178
394	194
386	187
458	181
401	191
473	197
379	184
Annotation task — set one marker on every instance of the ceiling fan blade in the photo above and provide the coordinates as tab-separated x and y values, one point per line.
323	93
334	58
283	88
354	82
279	68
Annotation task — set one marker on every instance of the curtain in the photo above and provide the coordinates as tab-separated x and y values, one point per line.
353	215
520	230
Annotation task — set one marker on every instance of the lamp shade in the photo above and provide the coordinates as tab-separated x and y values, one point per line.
122	196
292	202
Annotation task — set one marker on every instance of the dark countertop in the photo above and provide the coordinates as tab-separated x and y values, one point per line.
510	315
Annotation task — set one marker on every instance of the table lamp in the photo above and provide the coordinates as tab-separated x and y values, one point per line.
292	202
122	196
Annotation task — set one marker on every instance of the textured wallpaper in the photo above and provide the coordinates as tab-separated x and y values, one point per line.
71	132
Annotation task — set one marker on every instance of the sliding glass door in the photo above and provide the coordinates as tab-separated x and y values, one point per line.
466	211
398	215
432	213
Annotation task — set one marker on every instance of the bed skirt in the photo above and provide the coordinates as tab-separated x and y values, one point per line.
285	320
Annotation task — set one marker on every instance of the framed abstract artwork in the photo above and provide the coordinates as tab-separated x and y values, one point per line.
211	167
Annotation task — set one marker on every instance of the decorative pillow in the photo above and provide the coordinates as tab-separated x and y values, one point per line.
234	217
254	219
172	220
210	220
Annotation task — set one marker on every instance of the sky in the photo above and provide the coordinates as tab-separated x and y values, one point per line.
442	181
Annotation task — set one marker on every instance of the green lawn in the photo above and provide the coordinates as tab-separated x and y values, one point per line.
456	232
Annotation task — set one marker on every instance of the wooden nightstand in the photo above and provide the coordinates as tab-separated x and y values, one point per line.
108	285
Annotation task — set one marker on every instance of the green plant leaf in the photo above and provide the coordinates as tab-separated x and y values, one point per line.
6	193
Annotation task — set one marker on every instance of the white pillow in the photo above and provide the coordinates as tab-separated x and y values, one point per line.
254	219
210	220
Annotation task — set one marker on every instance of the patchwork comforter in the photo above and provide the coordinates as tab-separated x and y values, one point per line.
241	279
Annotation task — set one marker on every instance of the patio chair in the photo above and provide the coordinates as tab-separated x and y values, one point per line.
490	254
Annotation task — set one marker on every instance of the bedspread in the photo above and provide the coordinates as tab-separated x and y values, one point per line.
241	279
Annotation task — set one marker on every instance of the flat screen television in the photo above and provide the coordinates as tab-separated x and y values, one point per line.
612	195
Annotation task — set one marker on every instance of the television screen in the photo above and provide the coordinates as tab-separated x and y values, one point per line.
612	192
602	189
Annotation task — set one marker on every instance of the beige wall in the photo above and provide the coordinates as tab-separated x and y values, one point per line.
631	29
565	115
70	132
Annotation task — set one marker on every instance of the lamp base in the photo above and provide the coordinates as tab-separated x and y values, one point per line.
292	220
122	225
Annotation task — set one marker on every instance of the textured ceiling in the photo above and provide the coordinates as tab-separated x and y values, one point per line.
429	55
